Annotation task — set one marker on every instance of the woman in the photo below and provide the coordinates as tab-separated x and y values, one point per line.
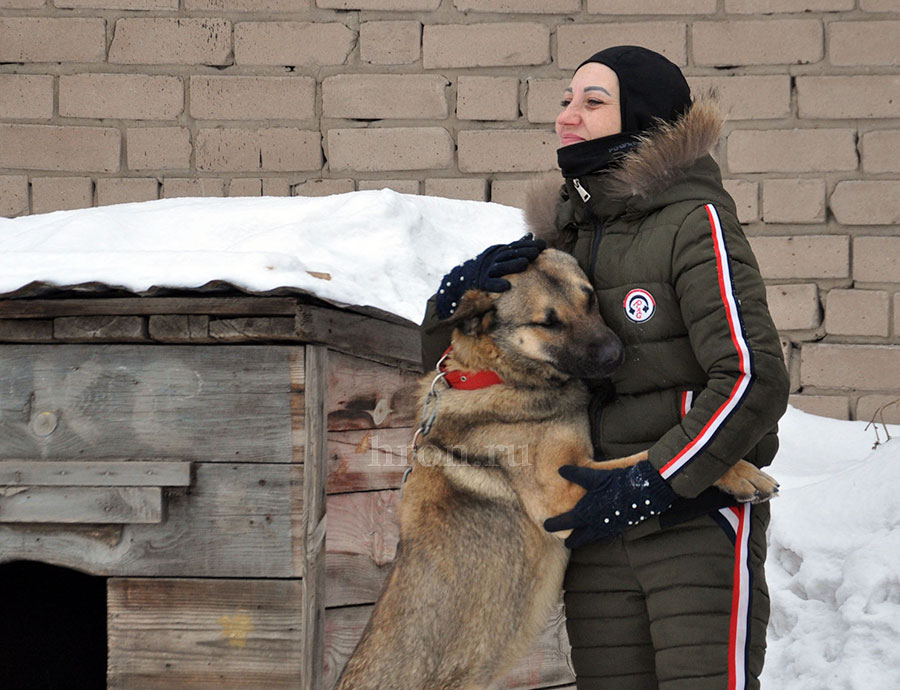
665	586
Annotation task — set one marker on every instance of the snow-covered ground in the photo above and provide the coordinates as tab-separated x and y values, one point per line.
834	556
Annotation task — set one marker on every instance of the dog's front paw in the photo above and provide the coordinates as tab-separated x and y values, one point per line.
748	484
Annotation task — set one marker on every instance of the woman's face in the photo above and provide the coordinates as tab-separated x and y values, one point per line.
590	105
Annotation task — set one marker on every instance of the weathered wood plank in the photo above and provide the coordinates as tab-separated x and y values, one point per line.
253	328
545	666
367	460
361	545
204	634
361	335
315	470
179	328
100	329
367	395
32	331
210	404
235	520
97	473
144	306
82	504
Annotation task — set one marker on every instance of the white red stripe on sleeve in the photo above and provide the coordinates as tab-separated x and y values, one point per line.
738	637
687	401
739	390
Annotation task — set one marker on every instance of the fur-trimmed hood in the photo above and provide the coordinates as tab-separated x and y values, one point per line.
662	160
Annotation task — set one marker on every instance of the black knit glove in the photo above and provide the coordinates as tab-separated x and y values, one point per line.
486	271
615	500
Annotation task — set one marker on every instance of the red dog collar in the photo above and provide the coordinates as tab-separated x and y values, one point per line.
468	380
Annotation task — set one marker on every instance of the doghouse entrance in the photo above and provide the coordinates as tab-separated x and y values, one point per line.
52	628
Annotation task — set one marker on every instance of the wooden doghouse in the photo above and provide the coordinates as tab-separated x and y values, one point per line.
187	449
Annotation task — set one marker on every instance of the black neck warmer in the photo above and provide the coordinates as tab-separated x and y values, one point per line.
651	89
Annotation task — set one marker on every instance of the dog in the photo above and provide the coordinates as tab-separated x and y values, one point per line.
476	574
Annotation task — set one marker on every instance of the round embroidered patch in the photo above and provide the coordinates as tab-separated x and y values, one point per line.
639	305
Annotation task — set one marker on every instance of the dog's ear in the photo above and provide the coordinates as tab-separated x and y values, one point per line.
475	313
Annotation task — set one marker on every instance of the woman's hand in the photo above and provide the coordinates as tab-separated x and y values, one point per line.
486	271
615	500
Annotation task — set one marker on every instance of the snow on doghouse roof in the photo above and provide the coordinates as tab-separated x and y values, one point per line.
378	249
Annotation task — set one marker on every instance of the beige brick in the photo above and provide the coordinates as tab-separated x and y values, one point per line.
485	45
322	187
395	148
883	409
897	314
520	6
792	150
881	151
878	5
180	41
396	5
833	406
510	192
468	188
385	96
22	4
577	42
26	96
526	150
180	187
276	186
651	6
866	202
746	198
861	367
758	42
61	193
399	186
748	97
803	256
864	43
126	190
857	312
246	150
253	98
543	99
794	201
242	186
48	147
158	148
118	4
292	43
794	307
46	39
772	6
247	5
125	96
487	98
390	42
875	259
860	96
13	195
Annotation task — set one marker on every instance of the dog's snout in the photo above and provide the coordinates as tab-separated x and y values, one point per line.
607	355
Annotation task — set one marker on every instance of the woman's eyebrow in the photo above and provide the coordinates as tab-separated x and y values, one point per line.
590	88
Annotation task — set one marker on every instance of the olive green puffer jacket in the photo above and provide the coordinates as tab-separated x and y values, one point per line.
703	383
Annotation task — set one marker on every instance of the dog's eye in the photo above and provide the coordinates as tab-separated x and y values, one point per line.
551	320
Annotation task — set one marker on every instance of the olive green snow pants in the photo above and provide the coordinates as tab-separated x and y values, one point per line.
683	608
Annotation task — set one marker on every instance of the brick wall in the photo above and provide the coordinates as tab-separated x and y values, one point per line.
108	101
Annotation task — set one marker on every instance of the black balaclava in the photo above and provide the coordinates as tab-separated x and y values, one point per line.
651	88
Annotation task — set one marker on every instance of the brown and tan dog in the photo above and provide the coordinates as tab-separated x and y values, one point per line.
476	575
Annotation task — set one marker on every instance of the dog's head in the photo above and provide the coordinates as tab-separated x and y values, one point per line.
547	325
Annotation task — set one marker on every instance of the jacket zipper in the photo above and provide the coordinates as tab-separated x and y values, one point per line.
582	192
